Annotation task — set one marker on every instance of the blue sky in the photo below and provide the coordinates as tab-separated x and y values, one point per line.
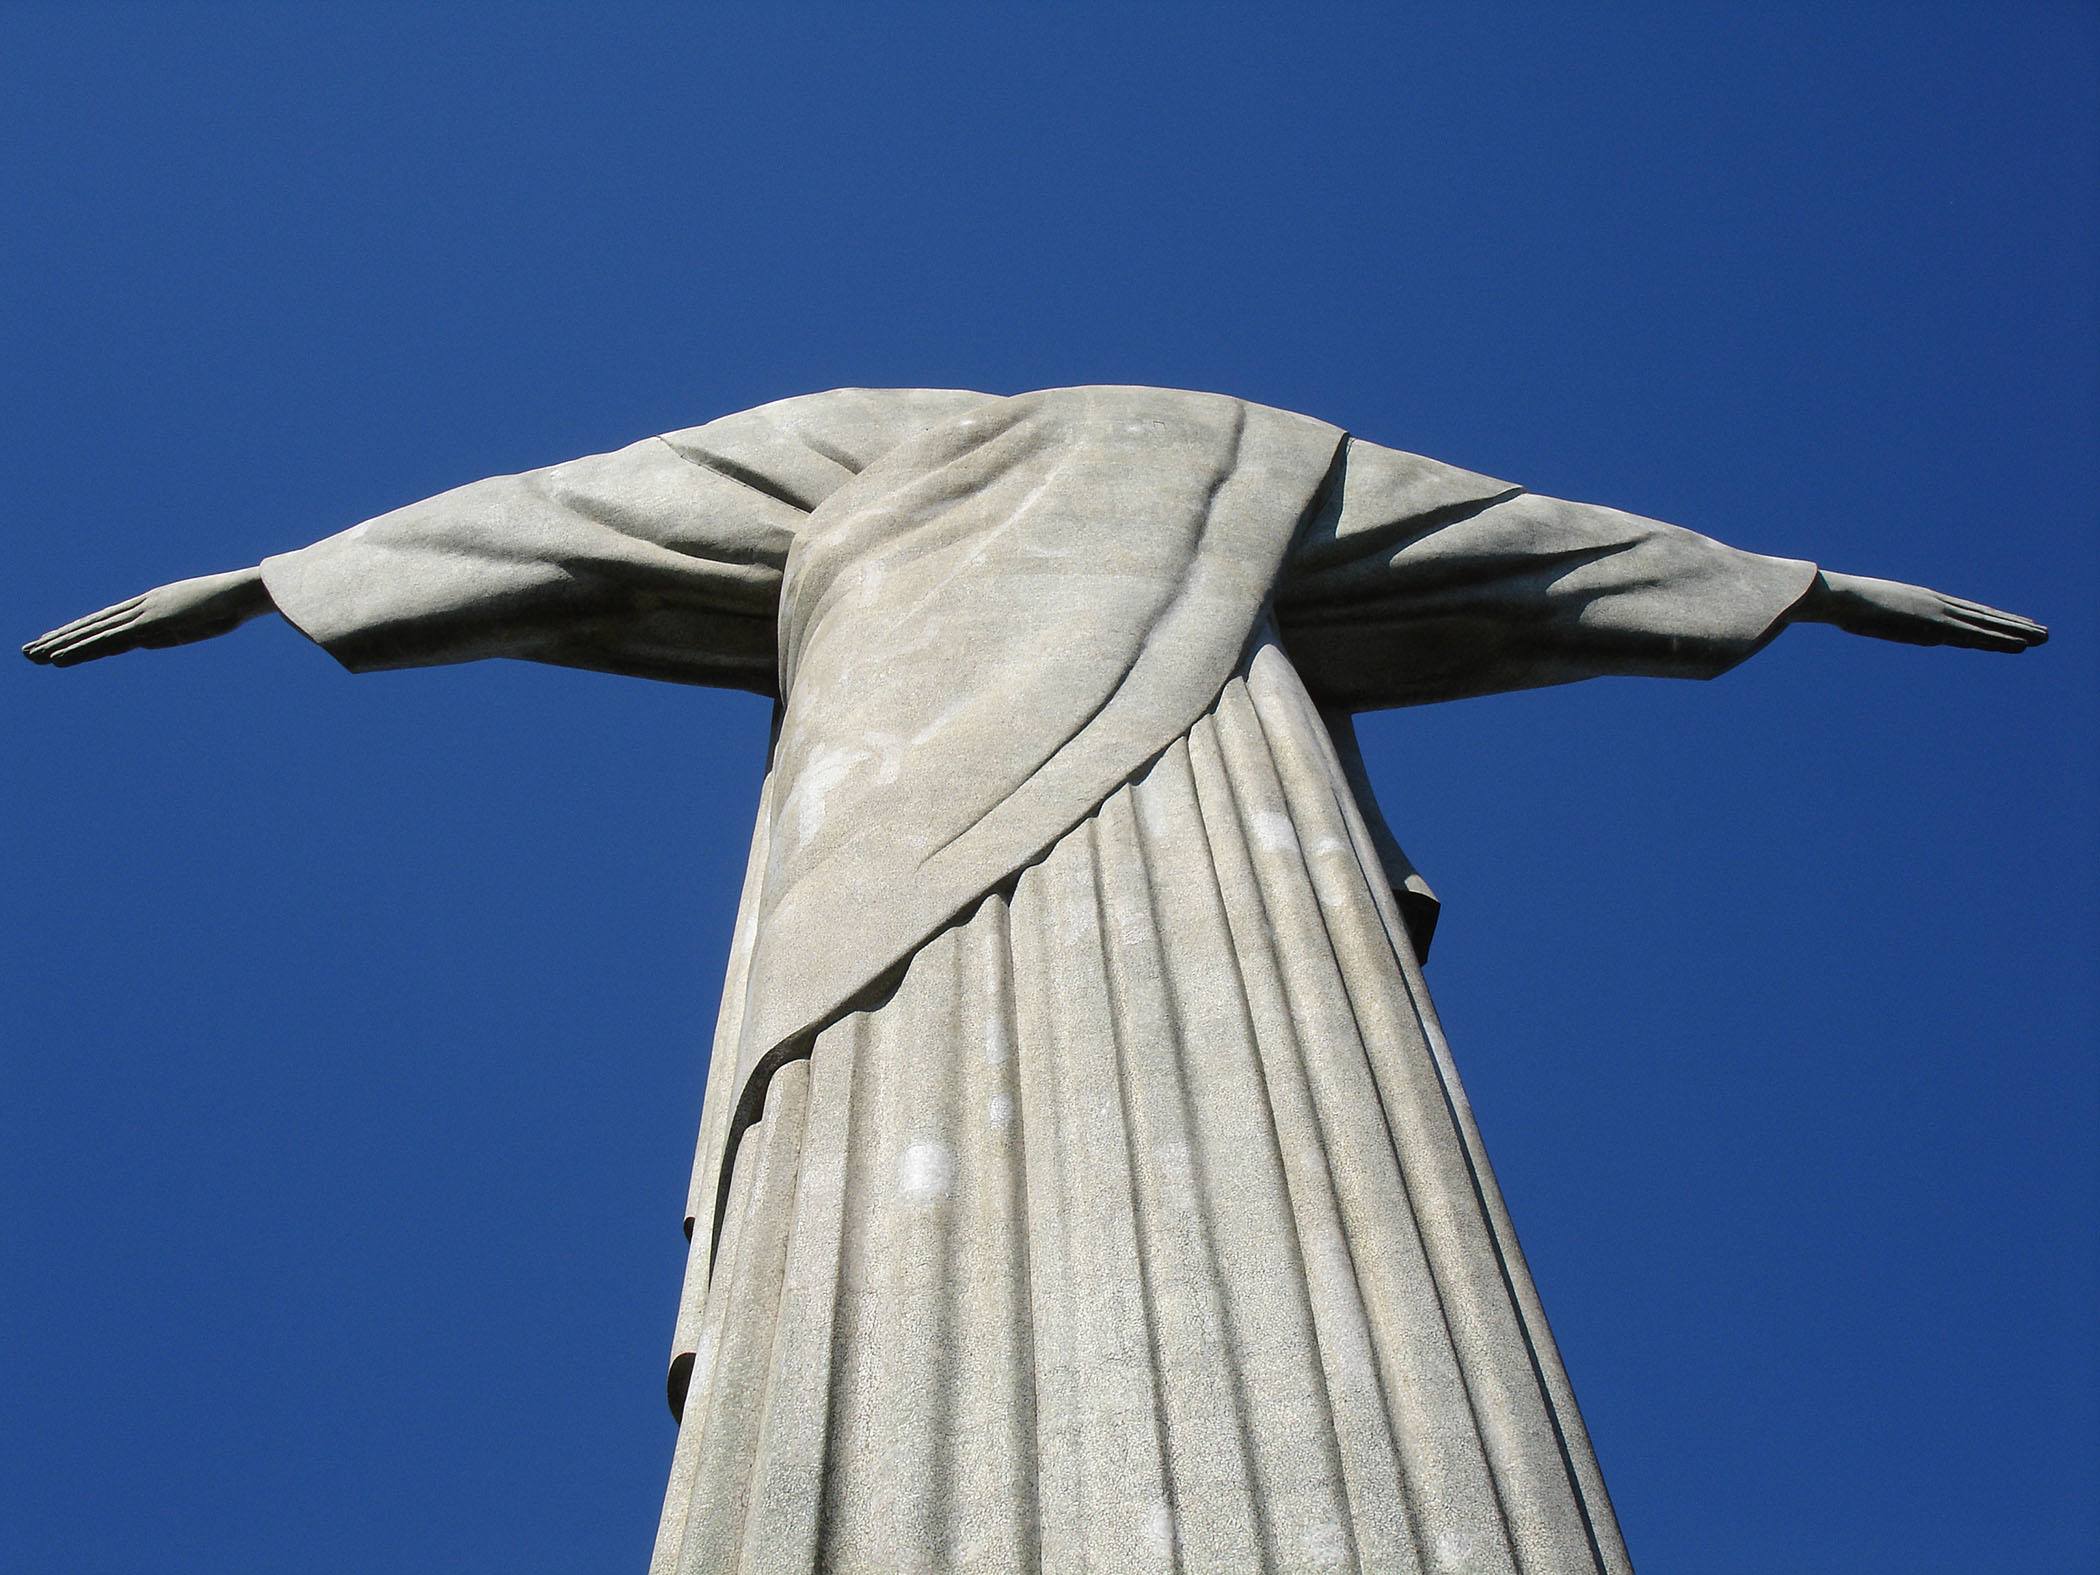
354	1032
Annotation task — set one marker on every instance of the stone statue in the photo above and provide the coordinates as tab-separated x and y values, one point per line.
1083	1179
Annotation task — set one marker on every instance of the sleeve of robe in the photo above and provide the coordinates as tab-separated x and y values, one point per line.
645	562
1407	587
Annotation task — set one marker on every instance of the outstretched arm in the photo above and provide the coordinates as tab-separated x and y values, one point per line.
177	614
644	561
1891	610
1394	598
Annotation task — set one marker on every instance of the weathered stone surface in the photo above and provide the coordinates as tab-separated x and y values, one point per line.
1083	1178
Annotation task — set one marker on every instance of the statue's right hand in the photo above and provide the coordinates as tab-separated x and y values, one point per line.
176	614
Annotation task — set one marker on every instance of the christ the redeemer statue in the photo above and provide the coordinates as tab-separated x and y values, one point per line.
1083	1180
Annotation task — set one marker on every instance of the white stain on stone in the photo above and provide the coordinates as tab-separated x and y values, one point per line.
1159	1526
702	1377
1133	929
943	719
999	1110
1274	831
1326	1546
1453	1551
888	750
1328	1261
1329	845
1331	892
1151	803
825	769
1077	925
926	1172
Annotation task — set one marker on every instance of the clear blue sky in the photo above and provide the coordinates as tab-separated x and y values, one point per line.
353	1027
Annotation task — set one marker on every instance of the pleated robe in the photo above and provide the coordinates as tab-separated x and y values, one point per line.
1084	1181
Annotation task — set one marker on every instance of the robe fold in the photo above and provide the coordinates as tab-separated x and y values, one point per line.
1082	1178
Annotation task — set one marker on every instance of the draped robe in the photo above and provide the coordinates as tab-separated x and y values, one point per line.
1083	1179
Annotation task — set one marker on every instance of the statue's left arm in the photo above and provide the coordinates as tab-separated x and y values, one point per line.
1407	588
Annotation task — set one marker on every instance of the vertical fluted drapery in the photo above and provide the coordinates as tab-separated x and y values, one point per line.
1142	1225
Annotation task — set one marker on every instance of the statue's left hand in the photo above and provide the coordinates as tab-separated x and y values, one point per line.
1891	610
176	614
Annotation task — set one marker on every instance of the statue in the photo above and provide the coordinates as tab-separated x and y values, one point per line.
1083	1179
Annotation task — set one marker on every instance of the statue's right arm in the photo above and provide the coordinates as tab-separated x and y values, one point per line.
177	614
642	561
662	559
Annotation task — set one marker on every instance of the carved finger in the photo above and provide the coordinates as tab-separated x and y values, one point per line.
2025	633
80	625
93	649
96	616
1994	616
44	644
1979	637
1966	605
122	635
1975	612
108	620
2030	631
2003	634
51	647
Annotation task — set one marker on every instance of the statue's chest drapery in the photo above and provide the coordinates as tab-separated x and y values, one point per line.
985	632
982	635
